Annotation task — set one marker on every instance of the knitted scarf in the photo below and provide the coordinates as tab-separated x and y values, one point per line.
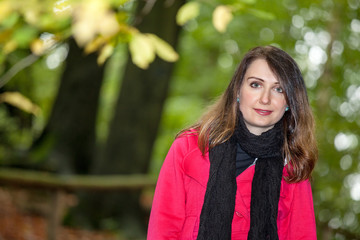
219	203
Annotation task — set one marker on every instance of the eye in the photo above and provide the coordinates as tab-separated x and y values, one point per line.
279	89
255	85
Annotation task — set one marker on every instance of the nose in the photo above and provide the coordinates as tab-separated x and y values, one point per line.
265	97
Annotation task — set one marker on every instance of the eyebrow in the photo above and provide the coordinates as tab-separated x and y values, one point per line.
260	79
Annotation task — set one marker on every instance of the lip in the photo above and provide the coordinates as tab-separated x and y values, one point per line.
263	112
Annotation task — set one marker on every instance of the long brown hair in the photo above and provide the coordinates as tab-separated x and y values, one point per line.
218	123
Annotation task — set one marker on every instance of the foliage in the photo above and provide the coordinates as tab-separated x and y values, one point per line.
96	25
18	100
322	35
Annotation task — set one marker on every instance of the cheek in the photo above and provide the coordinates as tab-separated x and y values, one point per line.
244	102
280	102
247	97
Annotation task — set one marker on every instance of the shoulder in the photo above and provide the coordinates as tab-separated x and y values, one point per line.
186	141
184	151
194	164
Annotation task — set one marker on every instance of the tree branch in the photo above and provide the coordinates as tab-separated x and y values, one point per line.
38	179
23	63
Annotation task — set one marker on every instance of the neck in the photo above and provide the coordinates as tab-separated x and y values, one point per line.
257	130
266	143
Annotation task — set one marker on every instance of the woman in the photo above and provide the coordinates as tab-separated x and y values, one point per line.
242	172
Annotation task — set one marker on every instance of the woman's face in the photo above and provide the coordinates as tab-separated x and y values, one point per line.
262	99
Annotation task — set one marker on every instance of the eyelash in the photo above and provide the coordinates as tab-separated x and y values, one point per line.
253	84
256	85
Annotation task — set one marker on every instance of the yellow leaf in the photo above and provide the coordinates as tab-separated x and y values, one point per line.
62	8
87	18
108	24
221	17
32	15
163	49
105	53
10	46
5	10
37	47
93	18
5	35
95	44
18	100
40	45
142	50
187	12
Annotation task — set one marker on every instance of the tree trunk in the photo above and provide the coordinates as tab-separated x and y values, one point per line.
68	141
139	107
136	120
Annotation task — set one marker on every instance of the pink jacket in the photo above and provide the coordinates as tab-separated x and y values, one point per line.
180	192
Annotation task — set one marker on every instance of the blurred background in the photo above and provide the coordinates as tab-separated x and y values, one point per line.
93	93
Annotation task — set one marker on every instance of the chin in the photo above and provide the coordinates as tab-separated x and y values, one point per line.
264	126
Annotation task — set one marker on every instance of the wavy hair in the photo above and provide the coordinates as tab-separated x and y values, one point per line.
218	123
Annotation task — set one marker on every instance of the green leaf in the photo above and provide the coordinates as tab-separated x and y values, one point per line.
261	14
249	1
25	35
10	20
49	23
187	12
118	2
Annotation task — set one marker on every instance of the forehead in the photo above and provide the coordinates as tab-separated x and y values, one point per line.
260	69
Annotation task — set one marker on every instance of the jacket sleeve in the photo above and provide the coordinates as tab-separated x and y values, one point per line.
302	220
168	208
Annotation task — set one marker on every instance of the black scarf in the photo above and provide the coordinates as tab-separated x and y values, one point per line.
219	203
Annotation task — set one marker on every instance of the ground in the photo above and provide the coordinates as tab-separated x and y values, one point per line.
23	217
